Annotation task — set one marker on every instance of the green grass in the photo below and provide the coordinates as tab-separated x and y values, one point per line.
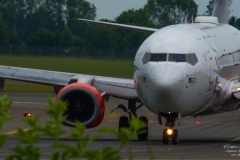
27	88
102	67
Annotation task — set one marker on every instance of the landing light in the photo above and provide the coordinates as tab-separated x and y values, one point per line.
27	114
169	131
238	89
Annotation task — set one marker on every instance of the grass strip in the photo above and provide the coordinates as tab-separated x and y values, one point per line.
27	88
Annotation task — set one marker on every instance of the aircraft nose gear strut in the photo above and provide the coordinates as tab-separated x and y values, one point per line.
170	133
124	120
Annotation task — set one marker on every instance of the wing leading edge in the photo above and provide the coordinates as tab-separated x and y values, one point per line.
117	87
124	26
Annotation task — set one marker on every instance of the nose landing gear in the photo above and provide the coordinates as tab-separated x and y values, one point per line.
170	133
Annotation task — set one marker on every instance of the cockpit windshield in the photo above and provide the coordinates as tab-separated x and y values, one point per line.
152	57
158	57
163	57
177	58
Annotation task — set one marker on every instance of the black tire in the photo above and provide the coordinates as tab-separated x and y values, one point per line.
165	137
123	123
175	136
144	135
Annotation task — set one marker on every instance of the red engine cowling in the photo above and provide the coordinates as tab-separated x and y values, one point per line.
85	104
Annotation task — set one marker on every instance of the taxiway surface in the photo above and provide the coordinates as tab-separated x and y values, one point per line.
214	137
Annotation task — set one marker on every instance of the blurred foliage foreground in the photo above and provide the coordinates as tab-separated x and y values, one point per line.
53	129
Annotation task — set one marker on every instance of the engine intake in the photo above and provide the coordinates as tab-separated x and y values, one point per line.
85	104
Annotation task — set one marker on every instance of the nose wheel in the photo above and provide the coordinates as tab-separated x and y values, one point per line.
170	134
175	136
165	137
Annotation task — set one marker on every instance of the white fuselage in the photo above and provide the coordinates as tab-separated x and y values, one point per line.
187	86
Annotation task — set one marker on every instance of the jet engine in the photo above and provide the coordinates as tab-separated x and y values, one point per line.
85	104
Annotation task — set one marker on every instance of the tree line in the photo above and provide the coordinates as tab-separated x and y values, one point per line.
54	22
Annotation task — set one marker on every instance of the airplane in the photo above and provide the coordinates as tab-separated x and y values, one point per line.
179	70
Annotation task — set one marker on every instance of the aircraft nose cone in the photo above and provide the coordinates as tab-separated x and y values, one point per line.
167	81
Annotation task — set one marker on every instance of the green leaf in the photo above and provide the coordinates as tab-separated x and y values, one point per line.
56	111
31	121
110	153
26	153
2	140
78	131
5	105
55	156
92	154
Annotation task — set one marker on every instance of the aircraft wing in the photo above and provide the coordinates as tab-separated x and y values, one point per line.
124	26
118	87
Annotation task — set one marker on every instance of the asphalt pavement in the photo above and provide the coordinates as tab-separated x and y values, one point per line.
210	137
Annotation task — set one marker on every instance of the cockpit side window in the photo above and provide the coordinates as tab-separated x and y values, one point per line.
146	58
194	58
177	58
189	59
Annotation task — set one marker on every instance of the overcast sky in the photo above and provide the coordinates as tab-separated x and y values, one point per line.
110	9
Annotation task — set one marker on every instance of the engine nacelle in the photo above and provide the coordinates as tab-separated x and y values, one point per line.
229	107
85	105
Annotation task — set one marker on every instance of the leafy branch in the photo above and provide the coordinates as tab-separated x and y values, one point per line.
27	150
